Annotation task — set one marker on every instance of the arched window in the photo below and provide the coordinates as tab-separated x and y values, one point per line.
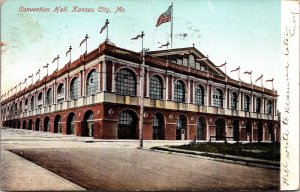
49	97
233	100
60	93
179	92
258	105
21	106
40	96
218	98
246	103
74	88
269	107
156	87
32	103
125	82
92	83
199	95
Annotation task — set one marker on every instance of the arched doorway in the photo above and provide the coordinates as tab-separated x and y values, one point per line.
47	124
158	126
181	125
271	132
37	124
248	131
19	125
71	124
30	125
220	129
201	125
24	124
57	124
127	125
88	124
236	130
260	131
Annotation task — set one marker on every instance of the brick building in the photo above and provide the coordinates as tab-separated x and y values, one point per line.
186	97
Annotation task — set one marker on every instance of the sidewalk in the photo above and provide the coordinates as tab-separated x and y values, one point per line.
17	173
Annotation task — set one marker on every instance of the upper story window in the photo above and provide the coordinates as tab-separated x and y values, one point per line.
258	105
125	82
246	103
179	92
16	108
32	103
156	87
74	88
192	61
218	98
49	97
199	95
40	98
92	83
269	107
234	100
21	107
60	93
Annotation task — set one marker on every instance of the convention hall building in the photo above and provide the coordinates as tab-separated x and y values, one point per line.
186	97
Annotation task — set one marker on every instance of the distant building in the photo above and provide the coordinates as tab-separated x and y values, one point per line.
186	97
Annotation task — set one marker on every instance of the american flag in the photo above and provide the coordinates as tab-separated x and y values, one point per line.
270	80
30	76
38	72
138	36
258	78
248	72
164	45
105	26
165	17
46	65
235	69
69	51
25	80
221	65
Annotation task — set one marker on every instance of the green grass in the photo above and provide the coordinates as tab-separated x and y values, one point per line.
267	151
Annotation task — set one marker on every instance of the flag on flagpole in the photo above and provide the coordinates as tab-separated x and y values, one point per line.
46	65
30	76
221	65
164	45
20	83
138	36
54	59
258	78
248	72
38	72
235	69
25	80
68	52
82	42
165	17
105	26
270	80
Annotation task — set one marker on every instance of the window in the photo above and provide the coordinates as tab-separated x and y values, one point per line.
199	95
191	61
269	107
246	103
40	97
258	105
233	100
49	97
74	88
32	103
218	98
156	87
60	93
179	92
125	82
92	83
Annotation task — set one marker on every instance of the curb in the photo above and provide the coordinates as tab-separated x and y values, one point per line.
239	162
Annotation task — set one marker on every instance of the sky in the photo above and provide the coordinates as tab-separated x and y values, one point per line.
242	33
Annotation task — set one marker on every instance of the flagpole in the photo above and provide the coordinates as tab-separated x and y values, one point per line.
172	27
107	29
86	37
141	122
